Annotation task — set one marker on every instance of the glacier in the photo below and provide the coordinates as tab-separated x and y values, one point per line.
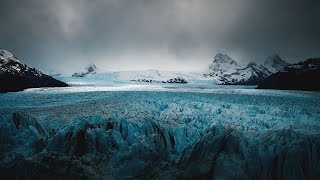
131	131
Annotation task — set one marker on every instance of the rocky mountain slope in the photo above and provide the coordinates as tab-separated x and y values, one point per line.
274	63
225	70
300	76
89	69
250	75
16	76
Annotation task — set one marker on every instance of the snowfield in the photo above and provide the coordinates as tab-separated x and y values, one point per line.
146	131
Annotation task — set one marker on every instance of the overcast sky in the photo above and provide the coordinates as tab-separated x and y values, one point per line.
64	35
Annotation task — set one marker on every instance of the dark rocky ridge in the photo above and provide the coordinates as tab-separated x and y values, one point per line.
274	63
90	69
16	76
301	76
177	80
13	83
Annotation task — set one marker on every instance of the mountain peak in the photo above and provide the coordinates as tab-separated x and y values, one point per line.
89	69
11	65
223	63
275	63
6	56
223	58
252	64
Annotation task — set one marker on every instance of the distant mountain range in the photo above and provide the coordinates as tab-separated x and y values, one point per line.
16	76
223	70
275	73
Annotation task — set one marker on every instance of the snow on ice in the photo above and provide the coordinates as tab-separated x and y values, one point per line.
160	132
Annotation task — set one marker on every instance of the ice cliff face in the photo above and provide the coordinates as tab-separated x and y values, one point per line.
175	135
95	147
16	76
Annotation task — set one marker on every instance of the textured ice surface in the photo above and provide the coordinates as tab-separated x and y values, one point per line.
160	132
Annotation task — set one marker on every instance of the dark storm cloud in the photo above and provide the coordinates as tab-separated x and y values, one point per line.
138	34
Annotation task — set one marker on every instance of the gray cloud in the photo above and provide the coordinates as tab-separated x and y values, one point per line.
64	35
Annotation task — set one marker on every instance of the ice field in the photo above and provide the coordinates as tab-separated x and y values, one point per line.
152	131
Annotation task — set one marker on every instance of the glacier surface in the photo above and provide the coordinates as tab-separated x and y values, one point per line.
159	132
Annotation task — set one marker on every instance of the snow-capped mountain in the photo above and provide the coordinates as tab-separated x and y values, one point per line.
250	75
16	76
221	65
10	64
304	75
274	63
225	70
89	69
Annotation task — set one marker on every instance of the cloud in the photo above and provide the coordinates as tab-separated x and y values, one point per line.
168	34
69	16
